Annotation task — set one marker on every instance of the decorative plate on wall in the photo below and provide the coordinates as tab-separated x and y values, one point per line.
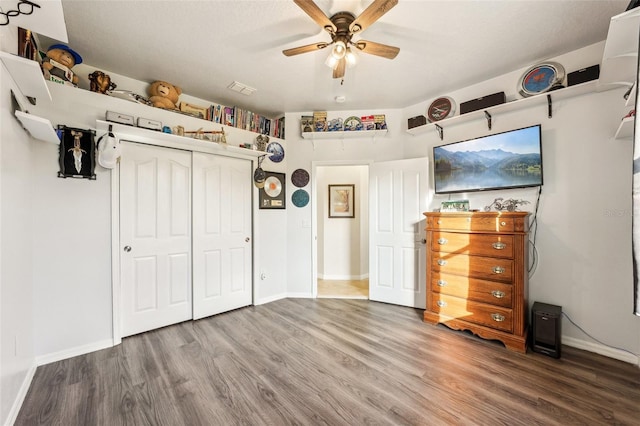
541	78
441	108
300	198
277	152
300	178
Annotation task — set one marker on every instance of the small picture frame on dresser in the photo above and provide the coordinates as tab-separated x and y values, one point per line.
455	206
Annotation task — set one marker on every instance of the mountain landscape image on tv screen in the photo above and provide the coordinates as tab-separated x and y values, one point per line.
511	159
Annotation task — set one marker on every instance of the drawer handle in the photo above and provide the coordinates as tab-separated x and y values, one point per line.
503	223
439	222
441	283
442	241
498	270
497	317
498	294
442	262
442	304
498	245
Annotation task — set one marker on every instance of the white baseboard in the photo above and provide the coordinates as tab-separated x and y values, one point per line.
71	352
22	393
601	350
343	277
269	299
300	295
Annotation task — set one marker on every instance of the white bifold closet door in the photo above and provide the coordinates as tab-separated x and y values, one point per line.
222	250
155	237
185	236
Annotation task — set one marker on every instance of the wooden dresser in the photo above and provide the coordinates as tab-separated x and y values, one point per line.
477	274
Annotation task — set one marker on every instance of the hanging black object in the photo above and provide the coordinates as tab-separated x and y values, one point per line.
633	4
77	155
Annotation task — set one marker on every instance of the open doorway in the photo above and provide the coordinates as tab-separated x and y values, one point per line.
342	230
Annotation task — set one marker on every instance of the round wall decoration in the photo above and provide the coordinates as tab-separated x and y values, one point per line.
541	78
277	152
300	198
300	178
272	186
441	108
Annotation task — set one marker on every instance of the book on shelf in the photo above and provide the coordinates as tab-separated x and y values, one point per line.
368	122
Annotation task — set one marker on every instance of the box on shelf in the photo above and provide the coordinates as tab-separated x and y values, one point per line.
583	75
482	102
119	118
320	121
306	123
145	123
380	121
418	120
368	122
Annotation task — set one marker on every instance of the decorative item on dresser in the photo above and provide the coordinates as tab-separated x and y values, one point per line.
477	274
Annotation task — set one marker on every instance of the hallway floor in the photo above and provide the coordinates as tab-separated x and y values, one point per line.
343	289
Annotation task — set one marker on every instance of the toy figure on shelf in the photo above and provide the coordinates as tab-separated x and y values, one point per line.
164	95
100	82
58	63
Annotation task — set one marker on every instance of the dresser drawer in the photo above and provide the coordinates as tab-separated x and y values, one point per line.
493	245
489	268
490	292
472	223
475	312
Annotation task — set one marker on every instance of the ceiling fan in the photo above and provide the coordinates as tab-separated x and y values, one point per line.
343	26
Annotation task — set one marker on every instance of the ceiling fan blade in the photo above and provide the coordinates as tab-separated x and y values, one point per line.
377	49
338	71
317	14
304	49
371	14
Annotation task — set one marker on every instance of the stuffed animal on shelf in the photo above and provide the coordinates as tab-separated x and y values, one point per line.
100	82
58	63
164	95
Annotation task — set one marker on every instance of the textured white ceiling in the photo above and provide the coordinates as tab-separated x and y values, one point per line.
203	46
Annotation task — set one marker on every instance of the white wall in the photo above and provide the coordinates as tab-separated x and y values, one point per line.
343	242
306	154
584	220
17	330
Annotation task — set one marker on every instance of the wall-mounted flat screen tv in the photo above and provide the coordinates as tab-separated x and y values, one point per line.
510	159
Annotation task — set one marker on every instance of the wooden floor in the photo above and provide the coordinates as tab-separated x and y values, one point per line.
344	289
330	362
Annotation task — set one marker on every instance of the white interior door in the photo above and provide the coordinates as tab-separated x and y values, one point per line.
398	198
222	248
155	237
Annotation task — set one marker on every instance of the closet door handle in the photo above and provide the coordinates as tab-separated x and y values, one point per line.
127	249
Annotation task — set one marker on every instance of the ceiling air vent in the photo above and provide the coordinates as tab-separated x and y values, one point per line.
241	88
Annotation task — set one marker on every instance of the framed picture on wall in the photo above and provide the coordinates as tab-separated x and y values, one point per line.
341	201
272	195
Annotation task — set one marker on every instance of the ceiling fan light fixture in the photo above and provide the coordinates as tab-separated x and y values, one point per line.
331	61
339	50
351	58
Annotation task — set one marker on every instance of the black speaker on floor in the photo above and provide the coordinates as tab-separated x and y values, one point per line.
546	329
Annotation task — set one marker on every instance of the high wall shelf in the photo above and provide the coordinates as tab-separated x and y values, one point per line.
344	134
545	99
620	55
620	62
137	134
625	129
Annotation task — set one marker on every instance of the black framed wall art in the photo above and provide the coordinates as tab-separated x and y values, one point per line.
273	194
